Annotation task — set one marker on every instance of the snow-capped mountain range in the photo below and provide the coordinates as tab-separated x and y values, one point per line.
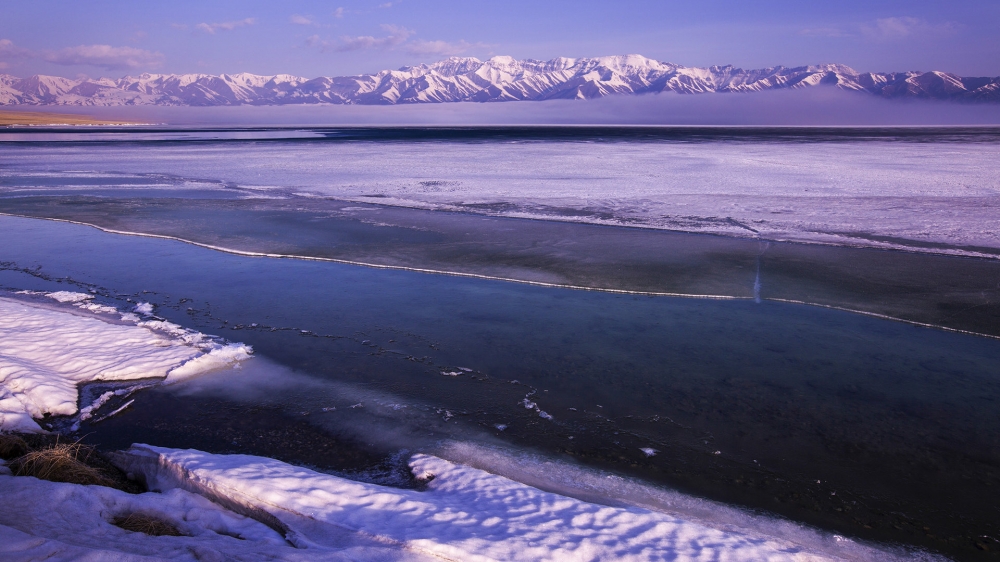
497	79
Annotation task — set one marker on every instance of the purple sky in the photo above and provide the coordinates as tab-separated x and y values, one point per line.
313	38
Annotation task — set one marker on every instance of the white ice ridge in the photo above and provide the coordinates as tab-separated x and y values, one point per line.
46	353
464	514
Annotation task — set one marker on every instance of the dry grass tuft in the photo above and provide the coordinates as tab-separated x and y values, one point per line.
12	446
148	524
60	463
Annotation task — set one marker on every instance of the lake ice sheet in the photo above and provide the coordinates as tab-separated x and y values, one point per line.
867	192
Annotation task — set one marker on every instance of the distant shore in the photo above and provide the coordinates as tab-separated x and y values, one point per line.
8	118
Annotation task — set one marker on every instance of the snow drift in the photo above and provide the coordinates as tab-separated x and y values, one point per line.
45	353
463	514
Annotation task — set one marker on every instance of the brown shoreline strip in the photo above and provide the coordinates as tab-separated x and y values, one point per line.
15	118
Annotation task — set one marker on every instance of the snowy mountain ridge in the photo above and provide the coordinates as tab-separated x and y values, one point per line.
500	78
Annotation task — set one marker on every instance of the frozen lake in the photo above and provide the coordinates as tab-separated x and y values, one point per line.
928	189
855	423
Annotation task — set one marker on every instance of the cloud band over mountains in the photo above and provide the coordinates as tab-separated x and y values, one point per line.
101	56
105	56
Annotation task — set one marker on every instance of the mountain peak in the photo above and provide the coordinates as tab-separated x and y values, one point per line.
500	78
502	60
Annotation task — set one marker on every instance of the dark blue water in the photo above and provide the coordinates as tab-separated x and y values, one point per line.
872	427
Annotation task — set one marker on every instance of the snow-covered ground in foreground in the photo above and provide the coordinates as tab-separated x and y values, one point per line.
46	353
54	521
464	514
843	192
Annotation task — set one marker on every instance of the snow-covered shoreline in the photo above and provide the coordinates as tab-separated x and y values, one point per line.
278	511
262	508
46	353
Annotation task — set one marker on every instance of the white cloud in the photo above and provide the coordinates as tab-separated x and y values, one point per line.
386	5
895	27
338	13
396	36
442	48
225	26
8	50
824	32
903	27
105	56
316	41
301	20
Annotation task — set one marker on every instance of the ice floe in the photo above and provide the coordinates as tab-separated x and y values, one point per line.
68	296
144	308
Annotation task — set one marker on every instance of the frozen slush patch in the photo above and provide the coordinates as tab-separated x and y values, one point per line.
144	308
129	317
94	307
45	354
464	513
68	296
82	301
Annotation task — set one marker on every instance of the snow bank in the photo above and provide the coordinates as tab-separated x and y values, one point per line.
46	353
53	521
464	514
